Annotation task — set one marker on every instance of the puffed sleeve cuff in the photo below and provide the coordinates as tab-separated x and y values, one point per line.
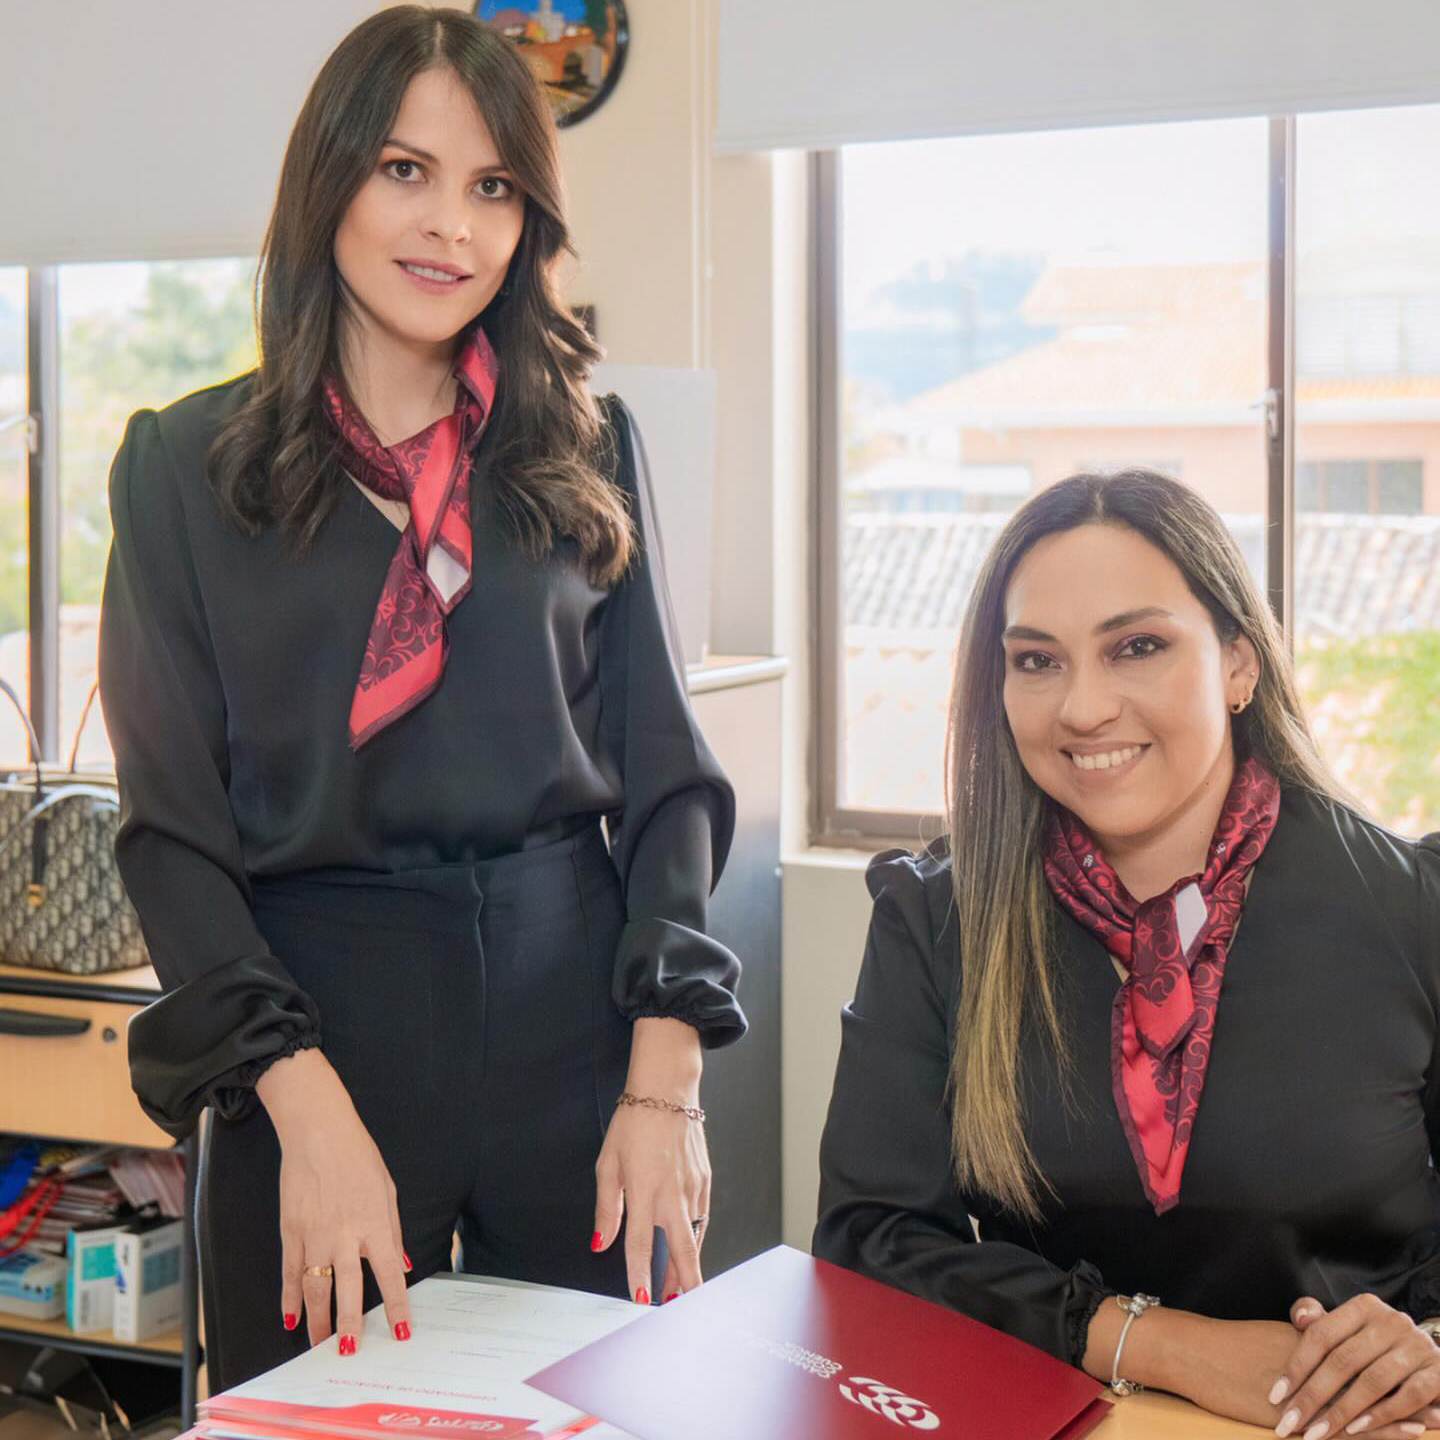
665	969
1086	1293
209	1041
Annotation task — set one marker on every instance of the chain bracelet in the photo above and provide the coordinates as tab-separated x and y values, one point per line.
691	1112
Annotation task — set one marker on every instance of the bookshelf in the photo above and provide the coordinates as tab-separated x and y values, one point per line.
64	1075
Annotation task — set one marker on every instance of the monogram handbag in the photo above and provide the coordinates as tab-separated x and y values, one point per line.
62	905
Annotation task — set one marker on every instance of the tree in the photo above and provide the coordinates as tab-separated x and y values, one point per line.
597	17
192	328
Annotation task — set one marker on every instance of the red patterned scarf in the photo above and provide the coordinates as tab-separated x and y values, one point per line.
430	572
1174	946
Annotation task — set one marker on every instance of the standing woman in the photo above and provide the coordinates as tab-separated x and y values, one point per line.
385	637
1163	1015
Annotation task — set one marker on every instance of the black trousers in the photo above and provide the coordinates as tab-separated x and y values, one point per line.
467	1008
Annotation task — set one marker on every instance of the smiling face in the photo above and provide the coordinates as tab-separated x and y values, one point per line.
1116	686
424	245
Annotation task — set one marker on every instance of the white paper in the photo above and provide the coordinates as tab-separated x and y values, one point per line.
470	1348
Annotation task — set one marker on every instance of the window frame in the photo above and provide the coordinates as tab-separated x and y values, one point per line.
839	826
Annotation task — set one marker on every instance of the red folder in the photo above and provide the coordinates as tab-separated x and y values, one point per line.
787	1347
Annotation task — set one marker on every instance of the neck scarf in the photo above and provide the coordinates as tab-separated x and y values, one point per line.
429	574
1174	946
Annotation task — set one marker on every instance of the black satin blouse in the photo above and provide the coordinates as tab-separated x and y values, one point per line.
1310	1169
226	671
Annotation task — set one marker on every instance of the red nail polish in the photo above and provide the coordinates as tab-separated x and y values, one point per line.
642	1296
596	1240
402	1330
673	1295
406	1259
291	1321
347	1344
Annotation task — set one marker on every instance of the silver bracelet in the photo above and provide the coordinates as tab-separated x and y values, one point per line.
1134	1307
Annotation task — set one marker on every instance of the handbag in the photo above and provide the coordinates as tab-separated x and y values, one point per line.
62	903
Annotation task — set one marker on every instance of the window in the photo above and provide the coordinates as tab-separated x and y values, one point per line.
14	510
131	336
997	312
1009	310
1360	487
1367	441
123	336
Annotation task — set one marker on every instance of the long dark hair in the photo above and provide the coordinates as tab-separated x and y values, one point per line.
997	812
275	462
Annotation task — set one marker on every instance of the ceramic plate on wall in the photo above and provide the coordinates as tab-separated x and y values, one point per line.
575	47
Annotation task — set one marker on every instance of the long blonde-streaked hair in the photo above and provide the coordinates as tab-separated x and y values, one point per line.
996	812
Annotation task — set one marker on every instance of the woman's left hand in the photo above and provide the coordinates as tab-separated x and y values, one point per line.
654	1169
1390	1366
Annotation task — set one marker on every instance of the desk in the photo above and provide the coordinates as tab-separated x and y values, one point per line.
1163	1417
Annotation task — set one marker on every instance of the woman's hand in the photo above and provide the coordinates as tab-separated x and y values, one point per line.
653	1167
1225	1366
1391	1369
337	1203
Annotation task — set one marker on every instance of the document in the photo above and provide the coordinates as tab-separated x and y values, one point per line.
461	1373
787	1347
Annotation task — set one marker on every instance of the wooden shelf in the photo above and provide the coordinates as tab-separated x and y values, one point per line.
59	1332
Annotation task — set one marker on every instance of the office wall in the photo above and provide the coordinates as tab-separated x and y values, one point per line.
692	259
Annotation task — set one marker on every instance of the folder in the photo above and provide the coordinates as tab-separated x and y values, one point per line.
787	1347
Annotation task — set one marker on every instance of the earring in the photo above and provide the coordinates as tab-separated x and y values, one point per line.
1236	706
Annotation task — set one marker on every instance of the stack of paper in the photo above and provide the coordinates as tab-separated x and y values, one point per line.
462	1372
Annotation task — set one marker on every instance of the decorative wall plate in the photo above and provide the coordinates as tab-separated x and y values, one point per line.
575	47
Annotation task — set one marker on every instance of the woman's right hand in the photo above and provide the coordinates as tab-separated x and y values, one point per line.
1224	1366
337	1203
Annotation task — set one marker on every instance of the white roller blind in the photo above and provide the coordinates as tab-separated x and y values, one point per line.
818	73
146	129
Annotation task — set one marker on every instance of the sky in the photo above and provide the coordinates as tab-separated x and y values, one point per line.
1153	194
570	9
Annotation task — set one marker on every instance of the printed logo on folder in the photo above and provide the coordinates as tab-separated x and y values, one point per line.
786	1346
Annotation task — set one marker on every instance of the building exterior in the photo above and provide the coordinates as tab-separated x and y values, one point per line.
1165	366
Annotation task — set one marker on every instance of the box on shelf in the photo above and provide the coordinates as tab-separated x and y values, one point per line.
32	1285
90	1293
147	1280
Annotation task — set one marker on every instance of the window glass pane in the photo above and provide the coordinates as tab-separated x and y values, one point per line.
131	336
1367	602
1347	487
1401	485
14	513
1015	309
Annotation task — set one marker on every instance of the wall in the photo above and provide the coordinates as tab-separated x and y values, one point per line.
1226	463
637	176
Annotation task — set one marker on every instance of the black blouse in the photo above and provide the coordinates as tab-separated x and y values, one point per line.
227	669
1309	1172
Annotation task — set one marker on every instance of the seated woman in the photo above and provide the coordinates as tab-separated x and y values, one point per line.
1040	1037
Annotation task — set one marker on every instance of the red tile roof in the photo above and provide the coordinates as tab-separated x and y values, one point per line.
1355	575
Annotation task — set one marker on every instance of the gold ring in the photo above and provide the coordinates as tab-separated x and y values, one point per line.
324	1272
